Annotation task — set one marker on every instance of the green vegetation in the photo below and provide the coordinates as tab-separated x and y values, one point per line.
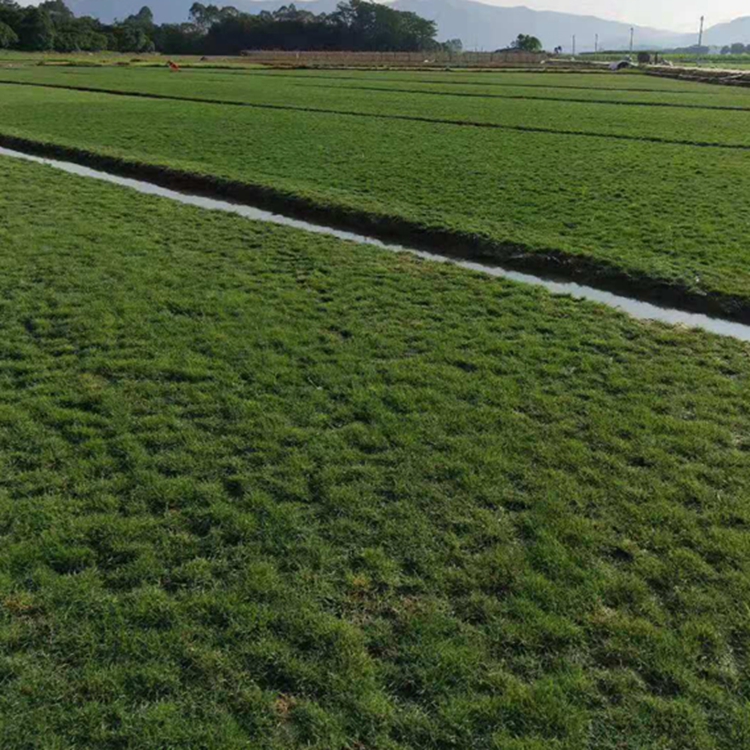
267	489
655	213
52	26
527	43
354	25
465	94
698	119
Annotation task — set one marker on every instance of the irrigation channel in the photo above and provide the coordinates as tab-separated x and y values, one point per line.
633	307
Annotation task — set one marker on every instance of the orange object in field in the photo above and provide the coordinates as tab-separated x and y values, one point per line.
174	66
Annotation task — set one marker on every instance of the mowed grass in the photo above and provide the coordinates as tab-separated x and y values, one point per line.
665	213
693	118
241	85
266	489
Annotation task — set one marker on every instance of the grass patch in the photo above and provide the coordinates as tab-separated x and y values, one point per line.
264	488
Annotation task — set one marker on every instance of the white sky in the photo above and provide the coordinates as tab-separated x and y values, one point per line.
673	15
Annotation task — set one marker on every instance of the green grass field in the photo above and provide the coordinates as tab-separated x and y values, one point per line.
264	489
248	85
591	188
669	113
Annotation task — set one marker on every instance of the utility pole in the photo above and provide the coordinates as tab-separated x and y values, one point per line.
700	34
596	43
574	45
632	32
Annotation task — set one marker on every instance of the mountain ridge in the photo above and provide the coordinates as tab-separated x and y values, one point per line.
737	30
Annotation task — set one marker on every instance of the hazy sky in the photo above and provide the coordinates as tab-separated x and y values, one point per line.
680	15
673	15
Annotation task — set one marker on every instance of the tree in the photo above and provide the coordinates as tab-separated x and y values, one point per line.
36	31
737	48
8	37
132	39
373	26
11	14
134	33
354	25
179	39
143	19
454	46
57	10
204	16
75	34
527	43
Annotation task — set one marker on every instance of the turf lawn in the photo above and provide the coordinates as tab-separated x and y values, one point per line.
262	489
245	85
689	113
655	213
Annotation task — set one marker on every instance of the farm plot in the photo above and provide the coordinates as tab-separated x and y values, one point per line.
266	489
699	119
548	84
651	214
553	81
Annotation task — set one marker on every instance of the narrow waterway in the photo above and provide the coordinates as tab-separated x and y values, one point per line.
633	307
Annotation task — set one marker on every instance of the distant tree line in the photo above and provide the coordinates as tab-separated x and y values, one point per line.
729	49
211	30
354	25
525	43
736	49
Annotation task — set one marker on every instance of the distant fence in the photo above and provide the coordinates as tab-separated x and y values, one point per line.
386	59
